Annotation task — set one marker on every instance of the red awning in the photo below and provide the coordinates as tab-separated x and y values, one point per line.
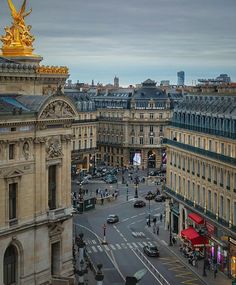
196	218
193	236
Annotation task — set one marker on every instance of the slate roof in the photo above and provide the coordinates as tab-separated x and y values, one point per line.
220	104
27	104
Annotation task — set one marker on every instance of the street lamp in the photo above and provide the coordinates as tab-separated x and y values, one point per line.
99	275
127	192
104	234
136	187
170	225
149	197
204	262
81	272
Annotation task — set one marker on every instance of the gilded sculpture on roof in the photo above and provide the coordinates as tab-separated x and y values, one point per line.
18	40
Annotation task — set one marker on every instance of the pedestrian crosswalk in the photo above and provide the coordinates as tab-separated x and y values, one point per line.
138	234
93	246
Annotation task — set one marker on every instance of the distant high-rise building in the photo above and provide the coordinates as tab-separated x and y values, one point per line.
165	82
116	81
180	76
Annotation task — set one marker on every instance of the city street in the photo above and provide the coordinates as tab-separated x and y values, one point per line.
123	254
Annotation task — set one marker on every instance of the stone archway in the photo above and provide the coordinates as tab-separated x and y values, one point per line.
151	159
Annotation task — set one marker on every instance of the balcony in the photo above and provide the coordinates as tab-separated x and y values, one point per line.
201	211
59	214
204	130
203	152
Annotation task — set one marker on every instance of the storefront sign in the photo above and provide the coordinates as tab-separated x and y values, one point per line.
233	241
210	228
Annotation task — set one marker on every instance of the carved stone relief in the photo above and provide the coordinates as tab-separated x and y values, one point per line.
53	147
26	150
57	109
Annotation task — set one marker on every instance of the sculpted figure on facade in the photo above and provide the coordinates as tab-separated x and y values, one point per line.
26	150
18	36
54	148
58	109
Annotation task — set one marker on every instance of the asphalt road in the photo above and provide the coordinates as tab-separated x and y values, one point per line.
123	254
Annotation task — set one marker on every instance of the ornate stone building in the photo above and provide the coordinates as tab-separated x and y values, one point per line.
35	163
201	174
84	129
132	125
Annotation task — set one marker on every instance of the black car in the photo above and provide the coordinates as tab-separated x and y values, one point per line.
160	198
111	219
151	251
150	196
139	204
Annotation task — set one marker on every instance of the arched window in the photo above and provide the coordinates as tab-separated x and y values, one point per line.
10	265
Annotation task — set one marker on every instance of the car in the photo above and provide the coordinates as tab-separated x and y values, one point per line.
150	196
139	204
151	251
111	219
160	198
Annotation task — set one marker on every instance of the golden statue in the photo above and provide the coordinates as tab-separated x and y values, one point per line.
18	39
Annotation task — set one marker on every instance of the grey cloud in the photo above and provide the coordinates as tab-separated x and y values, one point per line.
90	32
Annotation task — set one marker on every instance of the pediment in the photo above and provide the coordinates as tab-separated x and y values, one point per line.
58	109
14	173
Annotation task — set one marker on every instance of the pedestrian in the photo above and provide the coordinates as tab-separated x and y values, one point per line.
102	200
161	218
96	191
154	220
157	230
154	228
86	191
173	240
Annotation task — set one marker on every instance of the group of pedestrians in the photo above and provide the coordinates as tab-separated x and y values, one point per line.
155	227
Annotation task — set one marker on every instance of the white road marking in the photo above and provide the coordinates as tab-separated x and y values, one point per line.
129	245
150	243
94	248
134	244
124	245
140	244
89	250
112	246
125	239
94	241
106	247
164	242
99	248
125	220
118	246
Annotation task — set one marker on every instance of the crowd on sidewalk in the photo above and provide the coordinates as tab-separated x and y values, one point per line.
204	267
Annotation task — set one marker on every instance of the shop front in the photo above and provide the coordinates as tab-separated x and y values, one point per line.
232	254
218	249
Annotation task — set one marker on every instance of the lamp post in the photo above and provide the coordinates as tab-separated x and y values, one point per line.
149	197
80	244
136	187
104	234
81	272
127	192
170	223
204	262
123	179
81	200
99	275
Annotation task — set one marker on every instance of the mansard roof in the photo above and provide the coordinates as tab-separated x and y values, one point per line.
208	104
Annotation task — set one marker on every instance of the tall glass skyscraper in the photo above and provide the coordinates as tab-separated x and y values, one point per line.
180	76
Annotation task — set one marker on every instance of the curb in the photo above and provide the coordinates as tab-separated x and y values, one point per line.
183	261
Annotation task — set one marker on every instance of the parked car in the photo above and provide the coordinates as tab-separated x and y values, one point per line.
151	251
139	204
160	198
111	219
110	178
150	196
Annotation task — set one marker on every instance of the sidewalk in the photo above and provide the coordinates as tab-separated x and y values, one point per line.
163	239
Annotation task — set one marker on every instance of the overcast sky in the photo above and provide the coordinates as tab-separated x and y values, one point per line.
133	39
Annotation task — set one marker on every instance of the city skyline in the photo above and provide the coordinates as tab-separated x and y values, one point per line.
134	40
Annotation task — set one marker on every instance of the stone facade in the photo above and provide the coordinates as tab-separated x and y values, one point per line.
201	171
36	216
